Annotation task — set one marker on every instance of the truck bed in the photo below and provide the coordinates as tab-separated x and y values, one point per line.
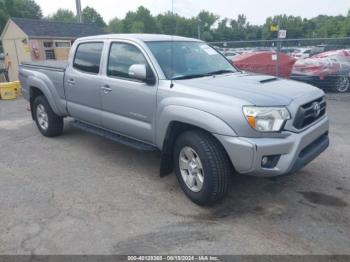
47	64
50	72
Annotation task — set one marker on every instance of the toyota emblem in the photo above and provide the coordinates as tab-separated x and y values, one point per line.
317	109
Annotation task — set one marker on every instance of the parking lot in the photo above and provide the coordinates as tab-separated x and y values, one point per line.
82	194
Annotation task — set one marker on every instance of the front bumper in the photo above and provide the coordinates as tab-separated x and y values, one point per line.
296	150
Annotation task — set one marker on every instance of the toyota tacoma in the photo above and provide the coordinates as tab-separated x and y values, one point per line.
183	98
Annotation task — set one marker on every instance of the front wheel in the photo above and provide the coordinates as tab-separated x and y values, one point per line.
202	167
48	123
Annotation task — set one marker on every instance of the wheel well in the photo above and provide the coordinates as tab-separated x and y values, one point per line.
175	129
34	93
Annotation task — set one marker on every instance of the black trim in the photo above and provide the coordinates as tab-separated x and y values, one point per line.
119	138
310	152
305	114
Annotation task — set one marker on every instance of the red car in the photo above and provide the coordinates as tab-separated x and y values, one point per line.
328	70
265	62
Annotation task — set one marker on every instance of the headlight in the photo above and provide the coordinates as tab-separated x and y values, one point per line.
266	119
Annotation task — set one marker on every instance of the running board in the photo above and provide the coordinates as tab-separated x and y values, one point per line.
113	136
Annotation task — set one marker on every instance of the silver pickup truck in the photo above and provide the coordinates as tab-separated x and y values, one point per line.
183	98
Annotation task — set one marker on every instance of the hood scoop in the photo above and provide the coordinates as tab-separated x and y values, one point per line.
268	80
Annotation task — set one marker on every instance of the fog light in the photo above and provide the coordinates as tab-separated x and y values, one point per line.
264	161
270	161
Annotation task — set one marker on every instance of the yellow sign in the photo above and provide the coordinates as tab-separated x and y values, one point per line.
274	28
26	49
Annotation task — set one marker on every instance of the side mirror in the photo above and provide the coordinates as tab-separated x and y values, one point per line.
140	72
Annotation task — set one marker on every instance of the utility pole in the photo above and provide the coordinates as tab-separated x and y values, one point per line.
78	6
279	43
199	30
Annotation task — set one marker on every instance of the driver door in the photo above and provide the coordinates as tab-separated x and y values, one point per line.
128	104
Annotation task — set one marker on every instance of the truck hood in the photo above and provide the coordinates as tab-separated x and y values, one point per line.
259	90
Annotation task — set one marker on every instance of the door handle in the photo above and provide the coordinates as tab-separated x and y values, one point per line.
106	89
71	82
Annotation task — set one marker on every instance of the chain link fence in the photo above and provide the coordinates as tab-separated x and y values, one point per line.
323	62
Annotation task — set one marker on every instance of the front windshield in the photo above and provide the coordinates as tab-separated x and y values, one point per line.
185	59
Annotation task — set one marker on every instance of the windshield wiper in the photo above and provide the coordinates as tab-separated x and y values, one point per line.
218	72
190	76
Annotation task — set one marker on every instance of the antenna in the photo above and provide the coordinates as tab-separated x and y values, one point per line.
172	48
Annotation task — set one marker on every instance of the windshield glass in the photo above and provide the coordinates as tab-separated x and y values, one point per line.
190	59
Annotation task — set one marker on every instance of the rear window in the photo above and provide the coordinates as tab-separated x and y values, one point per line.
87	57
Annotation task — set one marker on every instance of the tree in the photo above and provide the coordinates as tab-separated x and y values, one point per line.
167	23
138	27
187	27
115	26
18	8
229	29
90	15
173	24
63	15
23	8
205	21
239	27
133	21
223	31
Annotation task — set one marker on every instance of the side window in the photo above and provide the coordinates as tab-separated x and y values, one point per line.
121	57
87	57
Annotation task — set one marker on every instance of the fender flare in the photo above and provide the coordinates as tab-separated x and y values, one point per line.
192	116
49	91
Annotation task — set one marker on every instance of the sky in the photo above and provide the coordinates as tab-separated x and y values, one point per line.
255	10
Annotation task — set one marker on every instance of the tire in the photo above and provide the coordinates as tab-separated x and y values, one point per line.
53	125
216	167
342	84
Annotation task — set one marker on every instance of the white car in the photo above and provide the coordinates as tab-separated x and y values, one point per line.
302	53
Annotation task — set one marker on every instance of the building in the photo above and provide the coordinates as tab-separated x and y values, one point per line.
26	39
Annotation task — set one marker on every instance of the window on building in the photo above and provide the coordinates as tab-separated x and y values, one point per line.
62	44
48	44
50	54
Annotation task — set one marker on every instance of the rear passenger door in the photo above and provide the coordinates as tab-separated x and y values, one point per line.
82	83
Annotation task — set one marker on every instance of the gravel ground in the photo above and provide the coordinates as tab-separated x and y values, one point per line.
82	194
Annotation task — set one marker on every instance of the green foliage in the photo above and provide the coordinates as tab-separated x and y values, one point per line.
115	26
140	21
207	25
63	15
346	27
90	15
18	8
211	28
206	20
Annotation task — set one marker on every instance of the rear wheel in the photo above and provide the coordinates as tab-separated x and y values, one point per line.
48	123
342	84
202	167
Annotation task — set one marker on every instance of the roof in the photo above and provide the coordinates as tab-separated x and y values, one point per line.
36	28
141	37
